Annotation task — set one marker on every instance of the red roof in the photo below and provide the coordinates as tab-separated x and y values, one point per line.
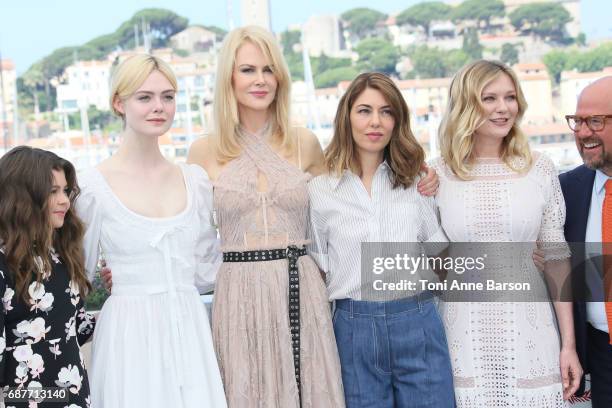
7	64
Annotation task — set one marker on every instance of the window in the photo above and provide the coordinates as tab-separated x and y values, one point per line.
69	104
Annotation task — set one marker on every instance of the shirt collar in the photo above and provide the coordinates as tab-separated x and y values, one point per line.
600	181
347	174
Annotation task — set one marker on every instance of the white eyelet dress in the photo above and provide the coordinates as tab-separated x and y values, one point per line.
504	354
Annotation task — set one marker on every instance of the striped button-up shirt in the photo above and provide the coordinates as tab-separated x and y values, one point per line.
343	216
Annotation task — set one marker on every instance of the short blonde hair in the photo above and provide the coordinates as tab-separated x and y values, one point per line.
227	122
403	154
465	114
130	74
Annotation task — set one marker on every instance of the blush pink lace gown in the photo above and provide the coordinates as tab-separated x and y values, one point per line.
250	311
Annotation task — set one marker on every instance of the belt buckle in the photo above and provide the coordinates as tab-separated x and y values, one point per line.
291	251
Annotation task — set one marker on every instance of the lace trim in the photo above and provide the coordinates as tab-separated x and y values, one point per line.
464	382
524	383
538	382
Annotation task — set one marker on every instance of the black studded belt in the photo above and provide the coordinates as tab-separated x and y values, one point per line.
292	253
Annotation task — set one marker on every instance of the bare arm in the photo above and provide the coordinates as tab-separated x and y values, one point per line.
557	274
571	370
202	153
313	161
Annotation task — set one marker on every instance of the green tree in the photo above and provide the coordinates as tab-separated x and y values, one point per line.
361	20
581	39
338	63
479	10
220	33
38	77
288	39
96	298
471	43
103	44
378	55
180	52
454	60
544	20
428	62
100	119
97	119
322	63
435	63
296	65
29	88
333	76
555	62
74	120
162	23
509	54
422	14
591	60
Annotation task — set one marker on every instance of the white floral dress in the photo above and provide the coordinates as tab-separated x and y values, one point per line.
40	340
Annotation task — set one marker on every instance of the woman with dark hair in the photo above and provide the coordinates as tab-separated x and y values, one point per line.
392	347
42	278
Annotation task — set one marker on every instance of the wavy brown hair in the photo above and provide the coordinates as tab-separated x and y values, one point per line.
26	180
403	154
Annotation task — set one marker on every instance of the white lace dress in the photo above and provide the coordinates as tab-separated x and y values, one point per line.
503	354
152	346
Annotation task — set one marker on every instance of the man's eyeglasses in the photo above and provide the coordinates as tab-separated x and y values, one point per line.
593	122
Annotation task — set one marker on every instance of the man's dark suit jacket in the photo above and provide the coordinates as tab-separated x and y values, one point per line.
577	187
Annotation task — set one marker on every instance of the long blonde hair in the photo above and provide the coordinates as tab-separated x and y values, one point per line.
465	114
130	74
227	121
403	154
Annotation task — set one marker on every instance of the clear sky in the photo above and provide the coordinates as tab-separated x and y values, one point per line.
31	29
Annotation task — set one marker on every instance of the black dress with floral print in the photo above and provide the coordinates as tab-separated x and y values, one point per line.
40	340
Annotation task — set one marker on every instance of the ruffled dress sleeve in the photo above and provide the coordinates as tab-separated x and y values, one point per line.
89	211
208	247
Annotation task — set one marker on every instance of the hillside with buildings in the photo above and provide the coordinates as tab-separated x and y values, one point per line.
61	102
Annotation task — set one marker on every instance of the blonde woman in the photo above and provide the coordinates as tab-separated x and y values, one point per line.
271	320
494	189
152	220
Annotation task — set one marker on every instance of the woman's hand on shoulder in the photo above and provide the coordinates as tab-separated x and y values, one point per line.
313	161
428	185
